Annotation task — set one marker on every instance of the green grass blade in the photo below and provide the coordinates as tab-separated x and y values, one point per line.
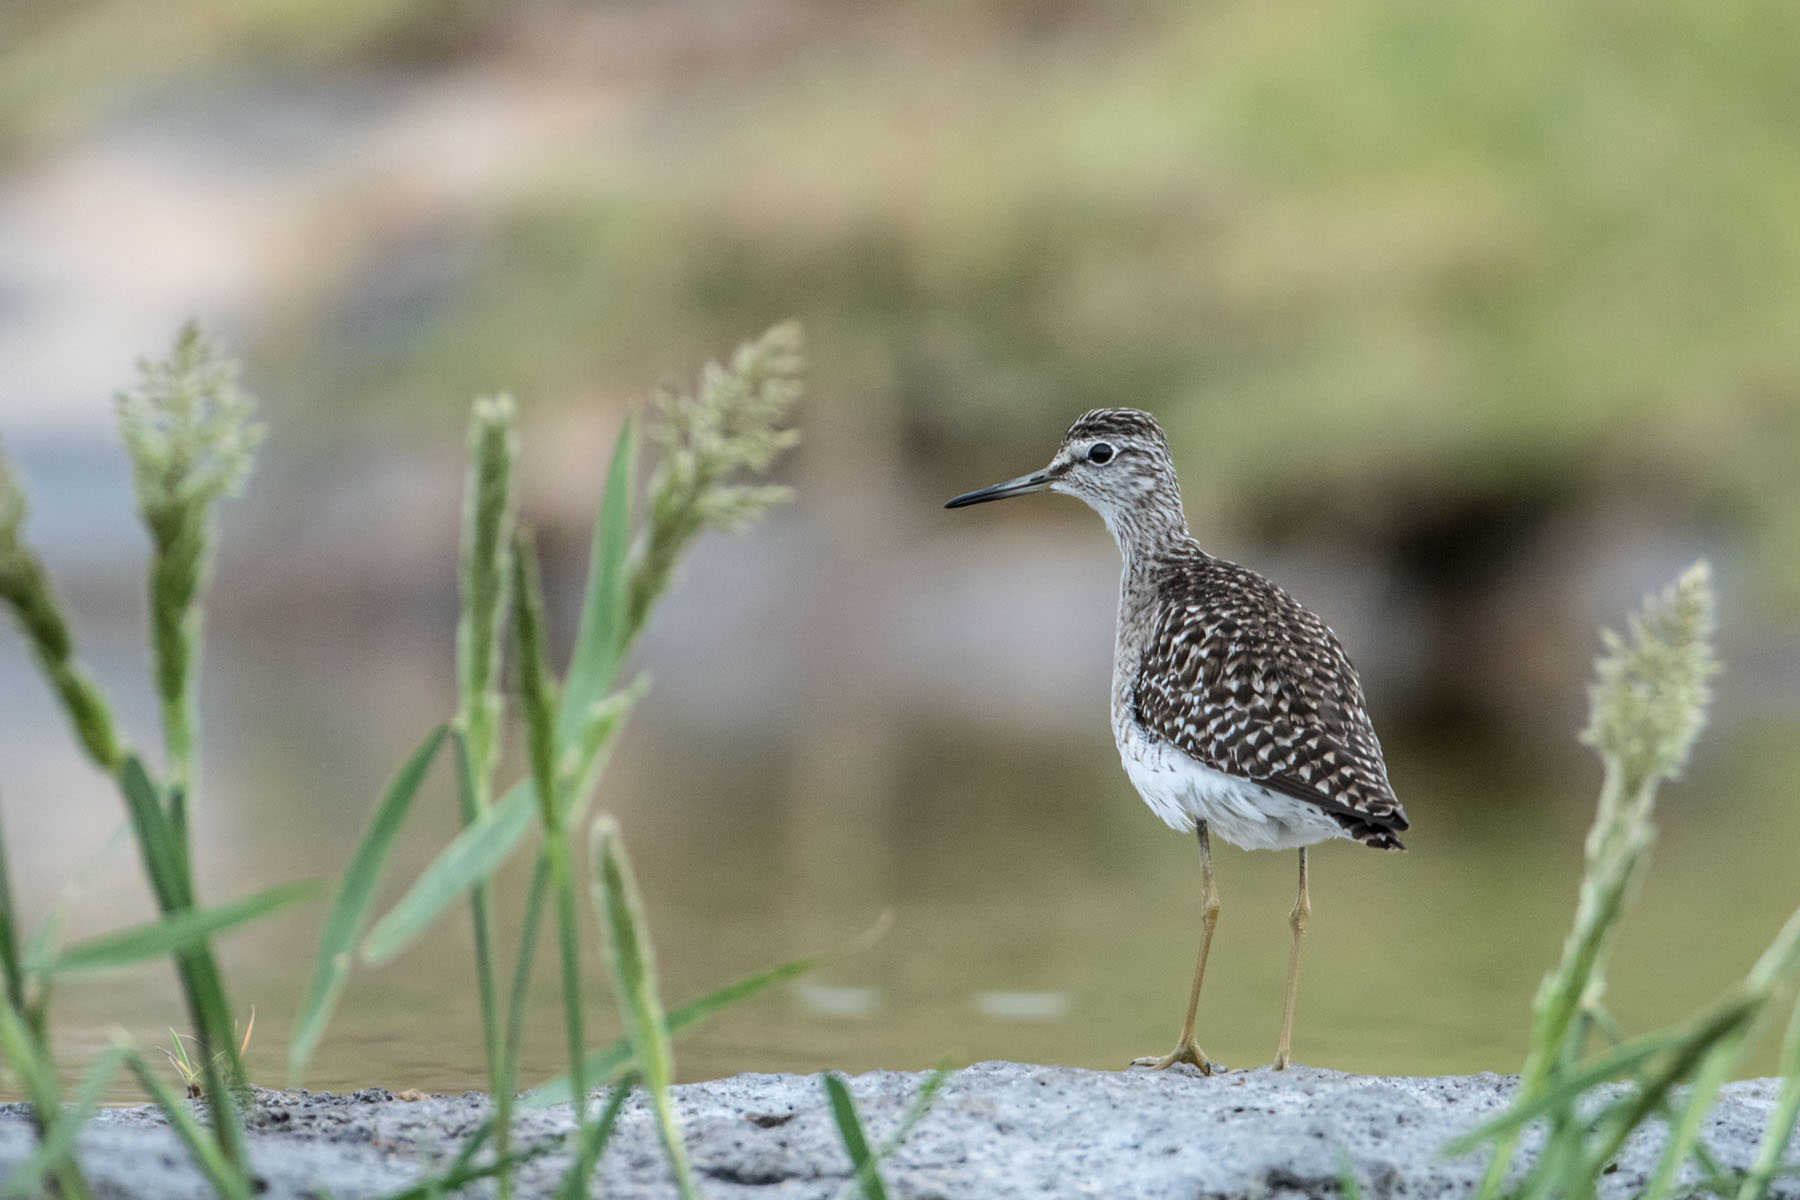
585	754
29	1061
505	1083
1781	1120
1621	1060
1558	1171
498	1125
12	962
1614	1125
633	963
178	828
520	994
537	688
156	838
165	862
179	931
1567	1155
472	856
600	637
202	986
595	1135
55	1153
461	1173
1716	1063
843	1110
472	793
568	944
355	897
472	1145
915	1112
591	1146
1348	1187
226	1180
602	1130
695	1011
606	1063
47	934
99	1077
220	1067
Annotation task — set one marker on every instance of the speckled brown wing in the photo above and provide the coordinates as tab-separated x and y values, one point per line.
1240	676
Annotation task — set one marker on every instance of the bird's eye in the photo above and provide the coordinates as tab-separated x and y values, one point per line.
1100	452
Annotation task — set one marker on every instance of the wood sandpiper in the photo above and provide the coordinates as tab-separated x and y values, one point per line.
1233	707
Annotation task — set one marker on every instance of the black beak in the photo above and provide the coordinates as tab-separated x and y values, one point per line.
1037	481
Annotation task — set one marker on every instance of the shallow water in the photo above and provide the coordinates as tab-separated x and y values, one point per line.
1038	911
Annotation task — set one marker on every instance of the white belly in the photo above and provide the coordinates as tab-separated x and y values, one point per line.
1182	791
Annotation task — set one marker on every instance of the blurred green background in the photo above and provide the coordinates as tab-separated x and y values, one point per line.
1468	324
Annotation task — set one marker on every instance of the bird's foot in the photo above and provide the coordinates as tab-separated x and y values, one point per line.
1186	1052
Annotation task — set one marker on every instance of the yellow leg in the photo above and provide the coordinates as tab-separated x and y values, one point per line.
1297	920
1187	1050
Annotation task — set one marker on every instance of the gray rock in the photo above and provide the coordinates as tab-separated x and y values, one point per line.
998	1130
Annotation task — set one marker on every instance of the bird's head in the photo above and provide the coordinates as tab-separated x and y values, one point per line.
1116	459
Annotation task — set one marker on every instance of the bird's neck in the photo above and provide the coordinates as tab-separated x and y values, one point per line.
1148	530
1148	536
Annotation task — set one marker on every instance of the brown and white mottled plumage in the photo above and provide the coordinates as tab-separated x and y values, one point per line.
1239	677
1234	708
